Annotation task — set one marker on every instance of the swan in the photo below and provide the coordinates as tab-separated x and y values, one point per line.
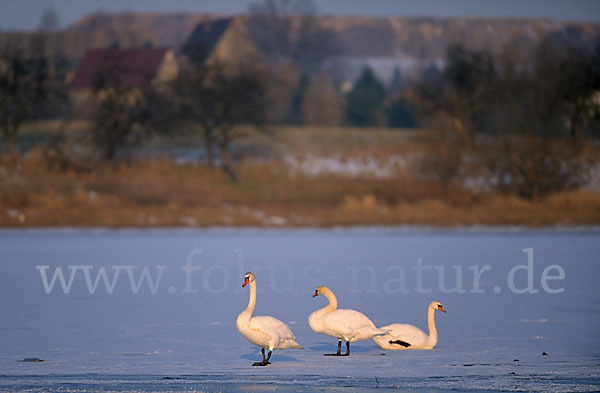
266	332
403	336
347	325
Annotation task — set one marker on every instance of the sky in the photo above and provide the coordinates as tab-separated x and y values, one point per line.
25	14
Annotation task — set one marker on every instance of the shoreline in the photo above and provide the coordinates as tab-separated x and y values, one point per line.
370	229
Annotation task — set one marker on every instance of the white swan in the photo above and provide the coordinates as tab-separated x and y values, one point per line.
403	336
347	325
266	332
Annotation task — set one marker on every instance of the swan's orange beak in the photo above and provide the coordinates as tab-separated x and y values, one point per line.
441	309
316	293
245	282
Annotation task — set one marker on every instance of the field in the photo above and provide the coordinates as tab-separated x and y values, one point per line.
296	177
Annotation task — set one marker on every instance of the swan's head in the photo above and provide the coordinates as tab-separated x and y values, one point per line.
323	290
248	278
319	290
437	306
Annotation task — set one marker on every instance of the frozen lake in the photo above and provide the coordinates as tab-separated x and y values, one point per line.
164	318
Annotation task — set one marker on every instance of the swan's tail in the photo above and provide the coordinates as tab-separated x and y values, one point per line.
291	344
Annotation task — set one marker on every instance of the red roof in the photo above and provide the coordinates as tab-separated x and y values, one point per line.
102	68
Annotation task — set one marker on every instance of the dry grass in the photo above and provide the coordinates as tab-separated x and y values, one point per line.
160	193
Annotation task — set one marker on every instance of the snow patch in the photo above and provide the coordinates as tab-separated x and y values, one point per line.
379	168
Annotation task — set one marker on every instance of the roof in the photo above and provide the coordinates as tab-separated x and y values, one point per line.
205	36
101	68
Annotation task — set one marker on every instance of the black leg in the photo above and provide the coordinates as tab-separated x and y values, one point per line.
265	361
347	349
339	350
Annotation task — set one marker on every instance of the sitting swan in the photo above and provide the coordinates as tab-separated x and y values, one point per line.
403	336
266	332
347	325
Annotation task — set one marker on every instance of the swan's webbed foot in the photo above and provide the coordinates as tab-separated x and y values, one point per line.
265	360
339	350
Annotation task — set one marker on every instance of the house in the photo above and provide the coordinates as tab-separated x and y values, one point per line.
101	69
222	41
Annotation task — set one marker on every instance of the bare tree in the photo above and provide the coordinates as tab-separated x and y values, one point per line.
445	150
49	20
288	30
574	81
123	119
219	98
322	104
125	115
23	75
532	166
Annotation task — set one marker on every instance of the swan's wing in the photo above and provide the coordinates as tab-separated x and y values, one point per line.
405	333
350	318
268	325
349	323
276	329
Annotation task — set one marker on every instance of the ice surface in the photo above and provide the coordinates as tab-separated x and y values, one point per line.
178	340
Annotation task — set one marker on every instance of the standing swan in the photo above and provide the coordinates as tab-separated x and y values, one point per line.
403	336
347	325
266	332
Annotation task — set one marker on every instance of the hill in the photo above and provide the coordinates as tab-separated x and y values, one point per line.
417	39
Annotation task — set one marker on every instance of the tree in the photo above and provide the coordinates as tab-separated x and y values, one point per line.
397	82
573	67
294	114
218	98
532	102
429	91
527	101
364	103
23	75
287	30
444	157
124	117
322	104
536	110
282	85
532	166
468	75
401	113
55	101
49	20
126	113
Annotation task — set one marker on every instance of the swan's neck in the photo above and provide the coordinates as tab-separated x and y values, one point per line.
244	318
433	334
314	320
252	301
333	304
